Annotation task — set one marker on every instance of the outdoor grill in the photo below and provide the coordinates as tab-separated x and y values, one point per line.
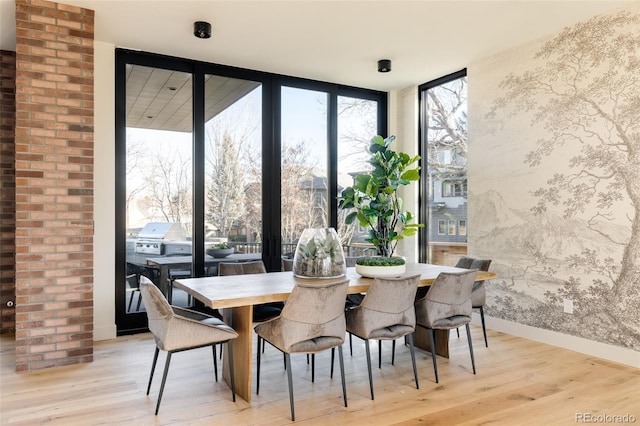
155	237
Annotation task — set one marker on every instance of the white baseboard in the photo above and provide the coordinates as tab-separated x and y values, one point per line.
578	344
105	333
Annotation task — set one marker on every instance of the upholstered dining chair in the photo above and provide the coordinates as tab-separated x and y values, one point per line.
260	312
386	313
479	292
133	287
176	329
287	264
311	321
176	274
447	305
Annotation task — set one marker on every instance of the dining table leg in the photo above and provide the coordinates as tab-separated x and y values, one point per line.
240	319
441	338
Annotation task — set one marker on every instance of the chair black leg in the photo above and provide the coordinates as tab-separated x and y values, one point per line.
344	385
287	360
432	345
215	362
133	293
350	344
413	358
484	329
393	352
366	345
473	363
258	367
313	368
458	332
153	368
164	380
232	374
333	357
379	353
139	301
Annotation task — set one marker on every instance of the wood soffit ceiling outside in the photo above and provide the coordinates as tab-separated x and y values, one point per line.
161	99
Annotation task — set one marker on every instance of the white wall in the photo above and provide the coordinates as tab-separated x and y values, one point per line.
403	123
104	192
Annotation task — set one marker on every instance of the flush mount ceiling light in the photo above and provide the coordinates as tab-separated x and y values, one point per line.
384	65
202	29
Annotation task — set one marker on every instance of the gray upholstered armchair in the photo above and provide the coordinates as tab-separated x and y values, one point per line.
312	321
386	313
240	268
260	312
175	329
478	293
447	305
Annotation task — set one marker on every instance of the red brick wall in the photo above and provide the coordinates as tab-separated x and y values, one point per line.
7	189
54	184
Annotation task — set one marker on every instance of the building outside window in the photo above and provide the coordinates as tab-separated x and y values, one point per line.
457	188
462	227
452	227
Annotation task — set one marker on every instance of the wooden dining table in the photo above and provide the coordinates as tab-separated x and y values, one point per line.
235	295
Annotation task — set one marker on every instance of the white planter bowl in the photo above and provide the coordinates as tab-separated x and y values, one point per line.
381	271
219	253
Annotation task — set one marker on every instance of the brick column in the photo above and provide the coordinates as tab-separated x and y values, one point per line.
54	184
7	190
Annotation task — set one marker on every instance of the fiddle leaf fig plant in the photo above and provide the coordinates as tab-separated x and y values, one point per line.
374	196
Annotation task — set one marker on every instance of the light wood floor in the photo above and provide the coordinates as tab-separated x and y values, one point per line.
519	382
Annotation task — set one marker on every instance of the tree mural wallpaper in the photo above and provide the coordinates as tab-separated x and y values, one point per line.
561	118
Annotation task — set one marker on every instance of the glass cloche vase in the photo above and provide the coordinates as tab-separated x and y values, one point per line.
319	254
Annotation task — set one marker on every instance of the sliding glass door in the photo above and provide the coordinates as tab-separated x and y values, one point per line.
233	166
357	123
209	156
304	164
159	200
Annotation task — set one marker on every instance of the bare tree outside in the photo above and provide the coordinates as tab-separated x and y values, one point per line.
357	124
234	170
135	184
225	185
253	196
447	129
167	196
298	192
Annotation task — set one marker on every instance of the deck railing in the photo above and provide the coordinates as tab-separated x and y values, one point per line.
288	249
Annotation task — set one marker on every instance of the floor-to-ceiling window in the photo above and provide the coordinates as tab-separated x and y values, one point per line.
209	155
304	163
357	122
443	136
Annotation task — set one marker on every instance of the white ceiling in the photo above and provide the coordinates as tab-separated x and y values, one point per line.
330	40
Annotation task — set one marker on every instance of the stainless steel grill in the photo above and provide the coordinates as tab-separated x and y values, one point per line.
154	236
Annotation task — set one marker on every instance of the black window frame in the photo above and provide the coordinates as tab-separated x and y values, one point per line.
423	195
271	137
